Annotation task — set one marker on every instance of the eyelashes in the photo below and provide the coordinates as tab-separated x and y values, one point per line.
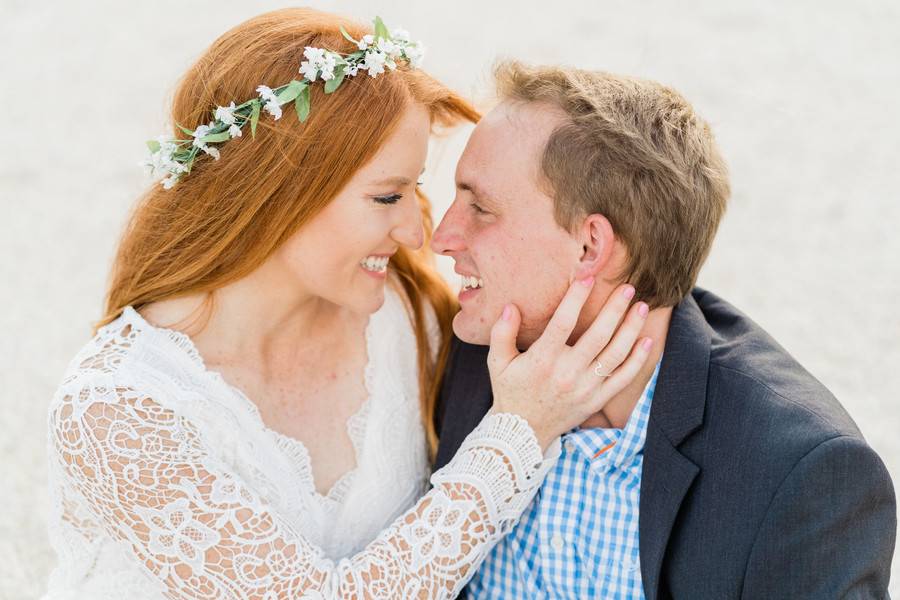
391	199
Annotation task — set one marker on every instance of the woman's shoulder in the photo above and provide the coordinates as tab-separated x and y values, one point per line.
116	355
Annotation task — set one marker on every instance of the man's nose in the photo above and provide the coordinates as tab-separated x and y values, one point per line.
448	238
408	232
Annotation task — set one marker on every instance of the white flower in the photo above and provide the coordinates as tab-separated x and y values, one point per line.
328	65
234	131
212	151
273	109
365	42
201	131
225	114
401	35
414	52
314	55
374	62
309	70
170	181
271	105
351	70
266	93
390	48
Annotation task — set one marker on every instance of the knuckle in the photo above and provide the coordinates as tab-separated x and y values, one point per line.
565	381
616	356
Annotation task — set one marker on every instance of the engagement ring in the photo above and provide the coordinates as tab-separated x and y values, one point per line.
598	370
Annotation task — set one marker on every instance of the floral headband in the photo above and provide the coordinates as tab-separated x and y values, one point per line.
172	158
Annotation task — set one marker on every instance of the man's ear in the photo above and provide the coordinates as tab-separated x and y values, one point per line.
597	239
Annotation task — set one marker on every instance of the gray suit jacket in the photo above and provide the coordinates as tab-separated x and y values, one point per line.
756	481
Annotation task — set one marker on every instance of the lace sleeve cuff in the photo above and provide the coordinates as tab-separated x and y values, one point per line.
502	457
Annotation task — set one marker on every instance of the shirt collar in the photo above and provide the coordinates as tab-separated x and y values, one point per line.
606	447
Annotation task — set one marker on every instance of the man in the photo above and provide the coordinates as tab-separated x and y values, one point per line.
726	470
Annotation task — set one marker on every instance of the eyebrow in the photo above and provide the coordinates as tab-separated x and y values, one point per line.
476	191
397	180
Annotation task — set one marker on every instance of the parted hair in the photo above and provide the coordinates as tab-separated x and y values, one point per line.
634	151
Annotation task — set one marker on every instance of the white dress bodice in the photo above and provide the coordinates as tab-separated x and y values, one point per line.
165	482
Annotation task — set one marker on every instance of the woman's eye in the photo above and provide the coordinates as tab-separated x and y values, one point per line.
392	199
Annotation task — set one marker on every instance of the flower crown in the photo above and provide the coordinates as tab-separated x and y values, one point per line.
172	158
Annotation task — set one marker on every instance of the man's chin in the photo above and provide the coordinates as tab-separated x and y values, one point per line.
472	330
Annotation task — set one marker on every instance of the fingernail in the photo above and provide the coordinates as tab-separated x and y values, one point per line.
647	344
507	313
628	292
588	282
643	309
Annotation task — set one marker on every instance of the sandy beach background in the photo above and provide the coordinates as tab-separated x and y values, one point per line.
803	97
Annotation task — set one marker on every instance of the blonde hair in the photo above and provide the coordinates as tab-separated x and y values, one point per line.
226	217
636	152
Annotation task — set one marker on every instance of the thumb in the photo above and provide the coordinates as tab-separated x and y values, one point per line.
503	339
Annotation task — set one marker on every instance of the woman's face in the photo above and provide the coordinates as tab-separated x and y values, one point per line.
341	255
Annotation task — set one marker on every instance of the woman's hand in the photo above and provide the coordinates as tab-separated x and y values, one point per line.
555	386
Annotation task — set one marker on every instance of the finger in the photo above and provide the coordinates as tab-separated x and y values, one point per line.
601	331
503	339
624	375
618	349
565	317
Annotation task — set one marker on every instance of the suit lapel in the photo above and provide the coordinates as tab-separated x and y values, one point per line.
465	397
677	411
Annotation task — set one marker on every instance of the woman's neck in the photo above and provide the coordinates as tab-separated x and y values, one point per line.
262	318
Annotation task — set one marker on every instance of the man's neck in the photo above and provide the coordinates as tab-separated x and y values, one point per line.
619	408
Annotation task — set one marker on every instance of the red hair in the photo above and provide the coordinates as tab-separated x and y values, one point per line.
226	217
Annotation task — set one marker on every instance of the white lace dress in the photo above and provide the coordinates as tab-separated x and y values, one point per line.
166	483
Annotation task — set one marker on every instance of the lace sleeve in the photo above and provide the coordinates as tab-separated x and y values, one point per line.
152	481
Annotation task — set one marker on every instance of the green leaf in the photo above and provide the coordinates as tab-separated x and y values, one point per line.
216	137
302	105
347	35
153	145
254	117
335	83
292	90
380	30
185	129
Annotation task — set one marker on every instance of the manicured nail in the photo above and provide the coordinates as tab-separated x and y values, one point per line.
628	292
507	313
588	282
643	309
647	344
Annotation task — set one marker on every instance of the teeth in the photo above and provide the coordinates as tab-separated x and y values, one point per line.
471	283
377	264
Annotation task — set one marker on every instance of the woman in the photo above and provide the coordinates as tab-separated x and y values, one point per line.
254	416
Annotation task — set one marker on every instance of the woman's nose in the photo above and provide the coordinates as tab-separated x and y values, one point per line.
408	231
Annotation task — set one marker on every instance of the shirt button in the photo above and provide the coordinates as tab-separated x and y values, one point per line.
557	543
570	446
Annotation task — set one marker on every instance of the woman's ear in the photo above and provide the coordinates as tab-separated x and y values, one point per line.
597	239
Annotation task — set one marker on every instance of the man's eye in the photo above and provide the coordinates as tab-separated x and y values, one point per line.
392	199
478	209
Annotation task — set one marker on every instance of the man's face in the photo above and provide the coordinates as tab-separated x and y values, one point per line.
500	228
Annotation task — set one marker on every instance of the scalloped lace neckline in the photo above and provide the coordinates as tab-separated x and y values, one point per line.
356	423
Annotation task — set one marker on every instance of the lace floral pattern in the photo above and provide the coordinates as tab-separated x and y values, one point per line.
155	496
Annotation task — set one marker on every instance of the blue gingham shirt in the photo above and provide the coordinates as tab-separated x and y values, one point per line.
579	537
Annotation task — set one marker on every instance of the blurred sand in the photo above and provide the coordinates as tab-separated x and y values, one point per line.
803	97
